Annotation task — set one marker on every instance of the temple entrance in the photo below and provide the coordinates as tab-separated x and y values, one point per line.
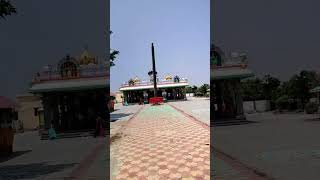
74	111
134	96
227	102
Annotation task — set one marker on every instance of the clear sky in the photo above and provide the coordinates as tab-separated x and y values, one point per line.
179	29
281	37
42	33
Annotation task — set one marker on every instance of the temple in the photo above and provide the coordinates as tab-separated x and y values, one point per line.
170	88
226	75
73	92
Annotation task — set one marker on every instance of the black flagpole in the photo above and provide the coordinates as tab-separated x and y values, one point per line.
154	71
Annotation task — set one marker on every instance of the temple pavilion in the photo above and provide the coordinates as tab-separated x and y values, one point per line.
73	92
171	88
226	75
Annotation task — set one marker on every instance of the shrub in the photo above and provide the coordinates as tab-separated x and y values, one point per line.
282	102
292	104
311	107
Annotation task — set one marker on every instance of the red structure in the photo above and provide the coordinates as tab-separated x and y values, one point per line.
156	100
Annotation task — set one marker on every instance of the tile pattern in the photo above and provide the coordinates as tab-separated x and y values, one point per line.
161	143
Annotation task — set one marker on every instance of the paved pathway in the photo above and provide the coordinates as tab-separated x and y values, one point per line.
161	143
120	116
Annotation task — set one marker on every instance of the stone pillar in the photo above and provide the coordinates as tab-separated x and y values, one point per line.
219	86
125	98
184	93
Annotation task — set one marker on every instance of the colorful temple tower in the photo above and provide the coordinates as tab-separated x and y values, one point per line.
226	75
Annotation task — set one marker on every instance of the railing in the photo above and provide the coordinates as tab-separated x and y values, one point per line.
81	73
147	83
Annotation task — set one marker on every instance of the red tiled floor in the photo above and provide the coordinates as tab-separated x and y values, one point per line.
162	143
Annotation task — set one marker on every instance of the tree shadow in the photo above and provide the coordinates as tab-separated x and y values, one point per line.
30	171
15	154
118	116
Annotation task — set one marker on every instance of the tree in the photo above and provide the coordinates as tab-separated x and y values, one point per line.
189	89
299	86
6	8
252	89
194	89
269	85
203	89
113	55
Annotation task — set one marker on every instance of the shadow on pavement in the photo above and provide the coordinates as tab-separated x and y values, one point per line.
118	116
13	155
30	171
114	110
231	123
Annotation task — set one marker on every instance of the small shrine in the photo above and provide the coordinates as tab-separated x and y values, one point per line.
226	75
135	89
73	92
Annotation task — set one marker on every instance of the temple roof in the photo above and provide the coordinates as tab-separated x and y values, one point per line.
87	58
150	86
85	54
168	77
70	85
230	73
136	79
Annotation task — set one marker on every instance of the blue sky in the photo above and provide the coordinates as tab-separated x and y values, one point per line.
179	29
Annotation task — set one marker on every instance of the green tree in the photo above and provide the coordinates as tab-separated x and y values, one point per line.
270	84
299	86
113	55
6	8
189	89
270	87
194	89
203	89
252	89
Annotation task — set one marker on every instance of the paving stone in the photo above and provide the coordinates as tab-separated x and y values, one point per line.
155	142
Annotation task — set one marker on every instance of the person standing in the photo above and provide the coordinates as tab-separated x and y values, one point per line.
52	132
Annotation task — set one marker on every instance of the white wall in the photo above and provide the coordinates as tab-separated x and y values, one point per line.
189	94
248	107
261	106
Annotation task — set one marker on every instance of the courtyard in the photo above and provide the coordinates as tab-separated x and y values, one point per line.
68	158
277	146
161	142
